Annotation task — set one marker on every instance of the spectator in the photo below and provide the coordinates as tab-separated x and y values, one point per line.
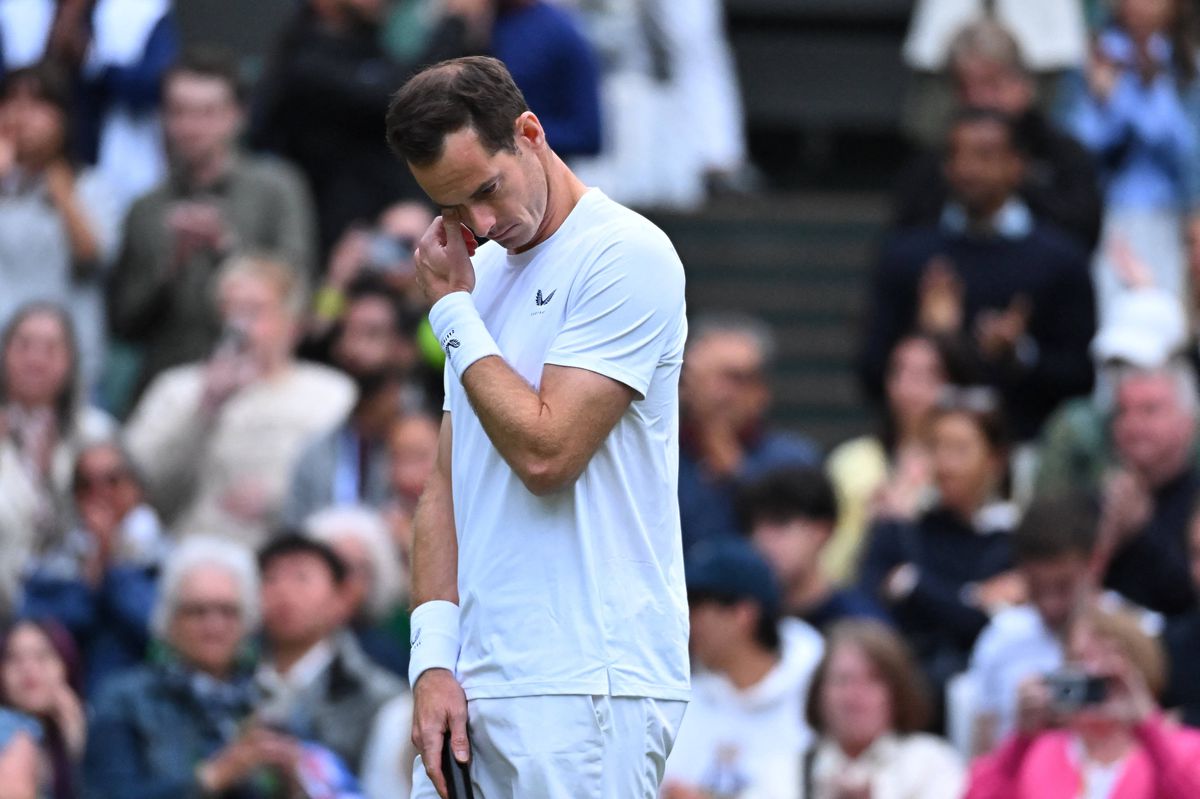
790	515
1059	185
868	706
214	202
40	676
1182	641
316	681
750	678
43	425
177	727
1145	329
725	437
321	102
218	440
1053	547
1127	109
888	474
373	585
555	69
130	45
382	254
1122	743
99	579
1148	500
373	346
1014	291
413	448
943	574
57	222
19	763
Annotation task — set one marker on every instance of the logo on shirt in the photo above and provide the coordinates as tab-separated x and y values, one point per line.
539	301
449	342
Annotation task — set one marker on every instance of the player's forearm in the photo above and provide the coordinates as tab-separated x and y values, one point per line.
520	425
435	545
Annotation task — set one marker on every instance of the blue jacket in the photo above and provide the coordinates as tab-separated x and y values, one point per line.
149	729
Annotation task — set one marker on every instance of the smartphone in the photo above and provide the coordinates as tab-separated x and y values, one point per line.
458	775
390	253
1073	690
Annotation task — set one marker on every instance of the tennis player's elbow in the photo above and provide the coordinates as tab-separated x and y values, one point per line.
546	475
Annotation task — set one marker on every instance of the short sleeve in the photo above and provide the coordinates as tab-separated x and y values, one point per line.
625	314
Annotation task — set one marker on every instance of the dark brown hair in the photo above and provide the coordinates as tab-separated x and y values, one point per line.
476	92
890	657
208	61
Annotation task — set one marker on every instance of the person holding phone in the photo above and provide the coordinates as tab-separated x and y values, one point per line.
1101	735
550	607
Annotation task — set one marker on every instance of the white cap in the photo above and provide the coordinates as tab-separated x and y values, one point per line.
1145	327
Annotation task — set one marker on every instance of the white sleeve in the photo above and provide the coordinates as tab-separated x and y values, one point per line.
388	758
624	313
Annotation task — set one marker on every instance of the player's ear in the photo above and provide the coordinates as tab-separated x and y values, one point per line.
528	129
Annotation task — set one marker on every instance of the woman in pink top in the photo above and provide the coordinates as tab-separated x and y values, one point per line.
1121	748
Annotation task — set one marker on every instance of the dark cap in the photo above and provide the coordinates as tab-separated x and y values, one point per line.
731	569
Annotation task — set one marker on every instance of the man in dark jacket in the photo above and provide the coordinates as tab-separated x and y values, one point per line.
1014	292
316	683
1060	184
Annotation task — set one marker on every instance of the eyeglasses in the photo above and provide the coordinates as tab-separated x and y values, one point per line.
109	479
195	611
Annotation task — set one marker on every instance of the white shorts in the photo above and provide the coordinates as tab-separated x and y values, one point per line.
566	747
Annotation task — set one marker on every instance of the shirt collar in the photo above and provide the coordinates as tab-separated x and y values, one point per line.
1012	221
305	671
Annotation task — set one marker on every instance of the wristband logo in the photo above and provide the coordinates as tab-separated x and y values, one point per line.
449	342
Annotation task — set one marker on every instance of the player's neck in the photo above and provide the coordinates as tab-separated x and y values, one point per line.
563	192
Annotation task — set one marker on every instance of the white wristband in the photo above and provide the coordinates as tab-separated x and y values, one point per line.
460	331
434	638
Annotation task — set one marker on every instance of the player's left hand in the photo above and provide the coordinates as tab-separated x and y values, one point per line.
443	258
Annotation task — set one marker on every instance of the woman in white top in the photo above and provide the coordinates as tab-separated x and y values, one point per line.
867	704
43	427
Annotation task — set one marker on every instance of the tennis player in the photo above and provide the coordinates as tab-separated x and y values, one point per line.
551	615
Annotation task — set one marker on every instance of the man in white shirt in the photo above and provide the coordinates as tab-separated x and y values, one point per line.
548	568
753	670
1053	547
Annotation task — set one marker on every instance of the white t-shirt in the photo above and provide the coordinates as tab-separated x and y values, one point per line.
580	591
730	739
1015	645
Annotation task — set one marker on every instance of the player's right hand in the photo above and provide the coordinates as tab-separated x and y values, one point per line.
439	707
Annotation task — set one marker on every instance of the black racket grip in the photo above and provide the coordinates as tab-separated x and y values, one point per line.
458	775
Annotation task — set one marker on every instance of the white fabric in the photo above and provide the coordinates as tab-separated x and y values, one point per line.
1098	779
194	465
24	28
730	738
1052	34
433	642
1155	237
120	29
1015	645
130	155
387	759
566	747
581	591
917	766
460	331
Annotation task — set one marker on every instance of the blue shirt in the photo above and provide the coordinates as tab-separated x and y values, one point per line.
1143	136
556	70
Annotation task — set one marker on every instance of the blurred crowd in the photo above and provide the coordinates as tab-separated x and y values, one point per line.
220	400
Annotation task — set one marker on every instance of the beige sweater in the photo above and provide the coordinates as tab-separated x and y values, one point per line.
197	467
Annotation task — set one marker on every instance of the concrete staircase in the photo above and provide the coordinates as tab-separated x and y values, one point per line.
800	263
